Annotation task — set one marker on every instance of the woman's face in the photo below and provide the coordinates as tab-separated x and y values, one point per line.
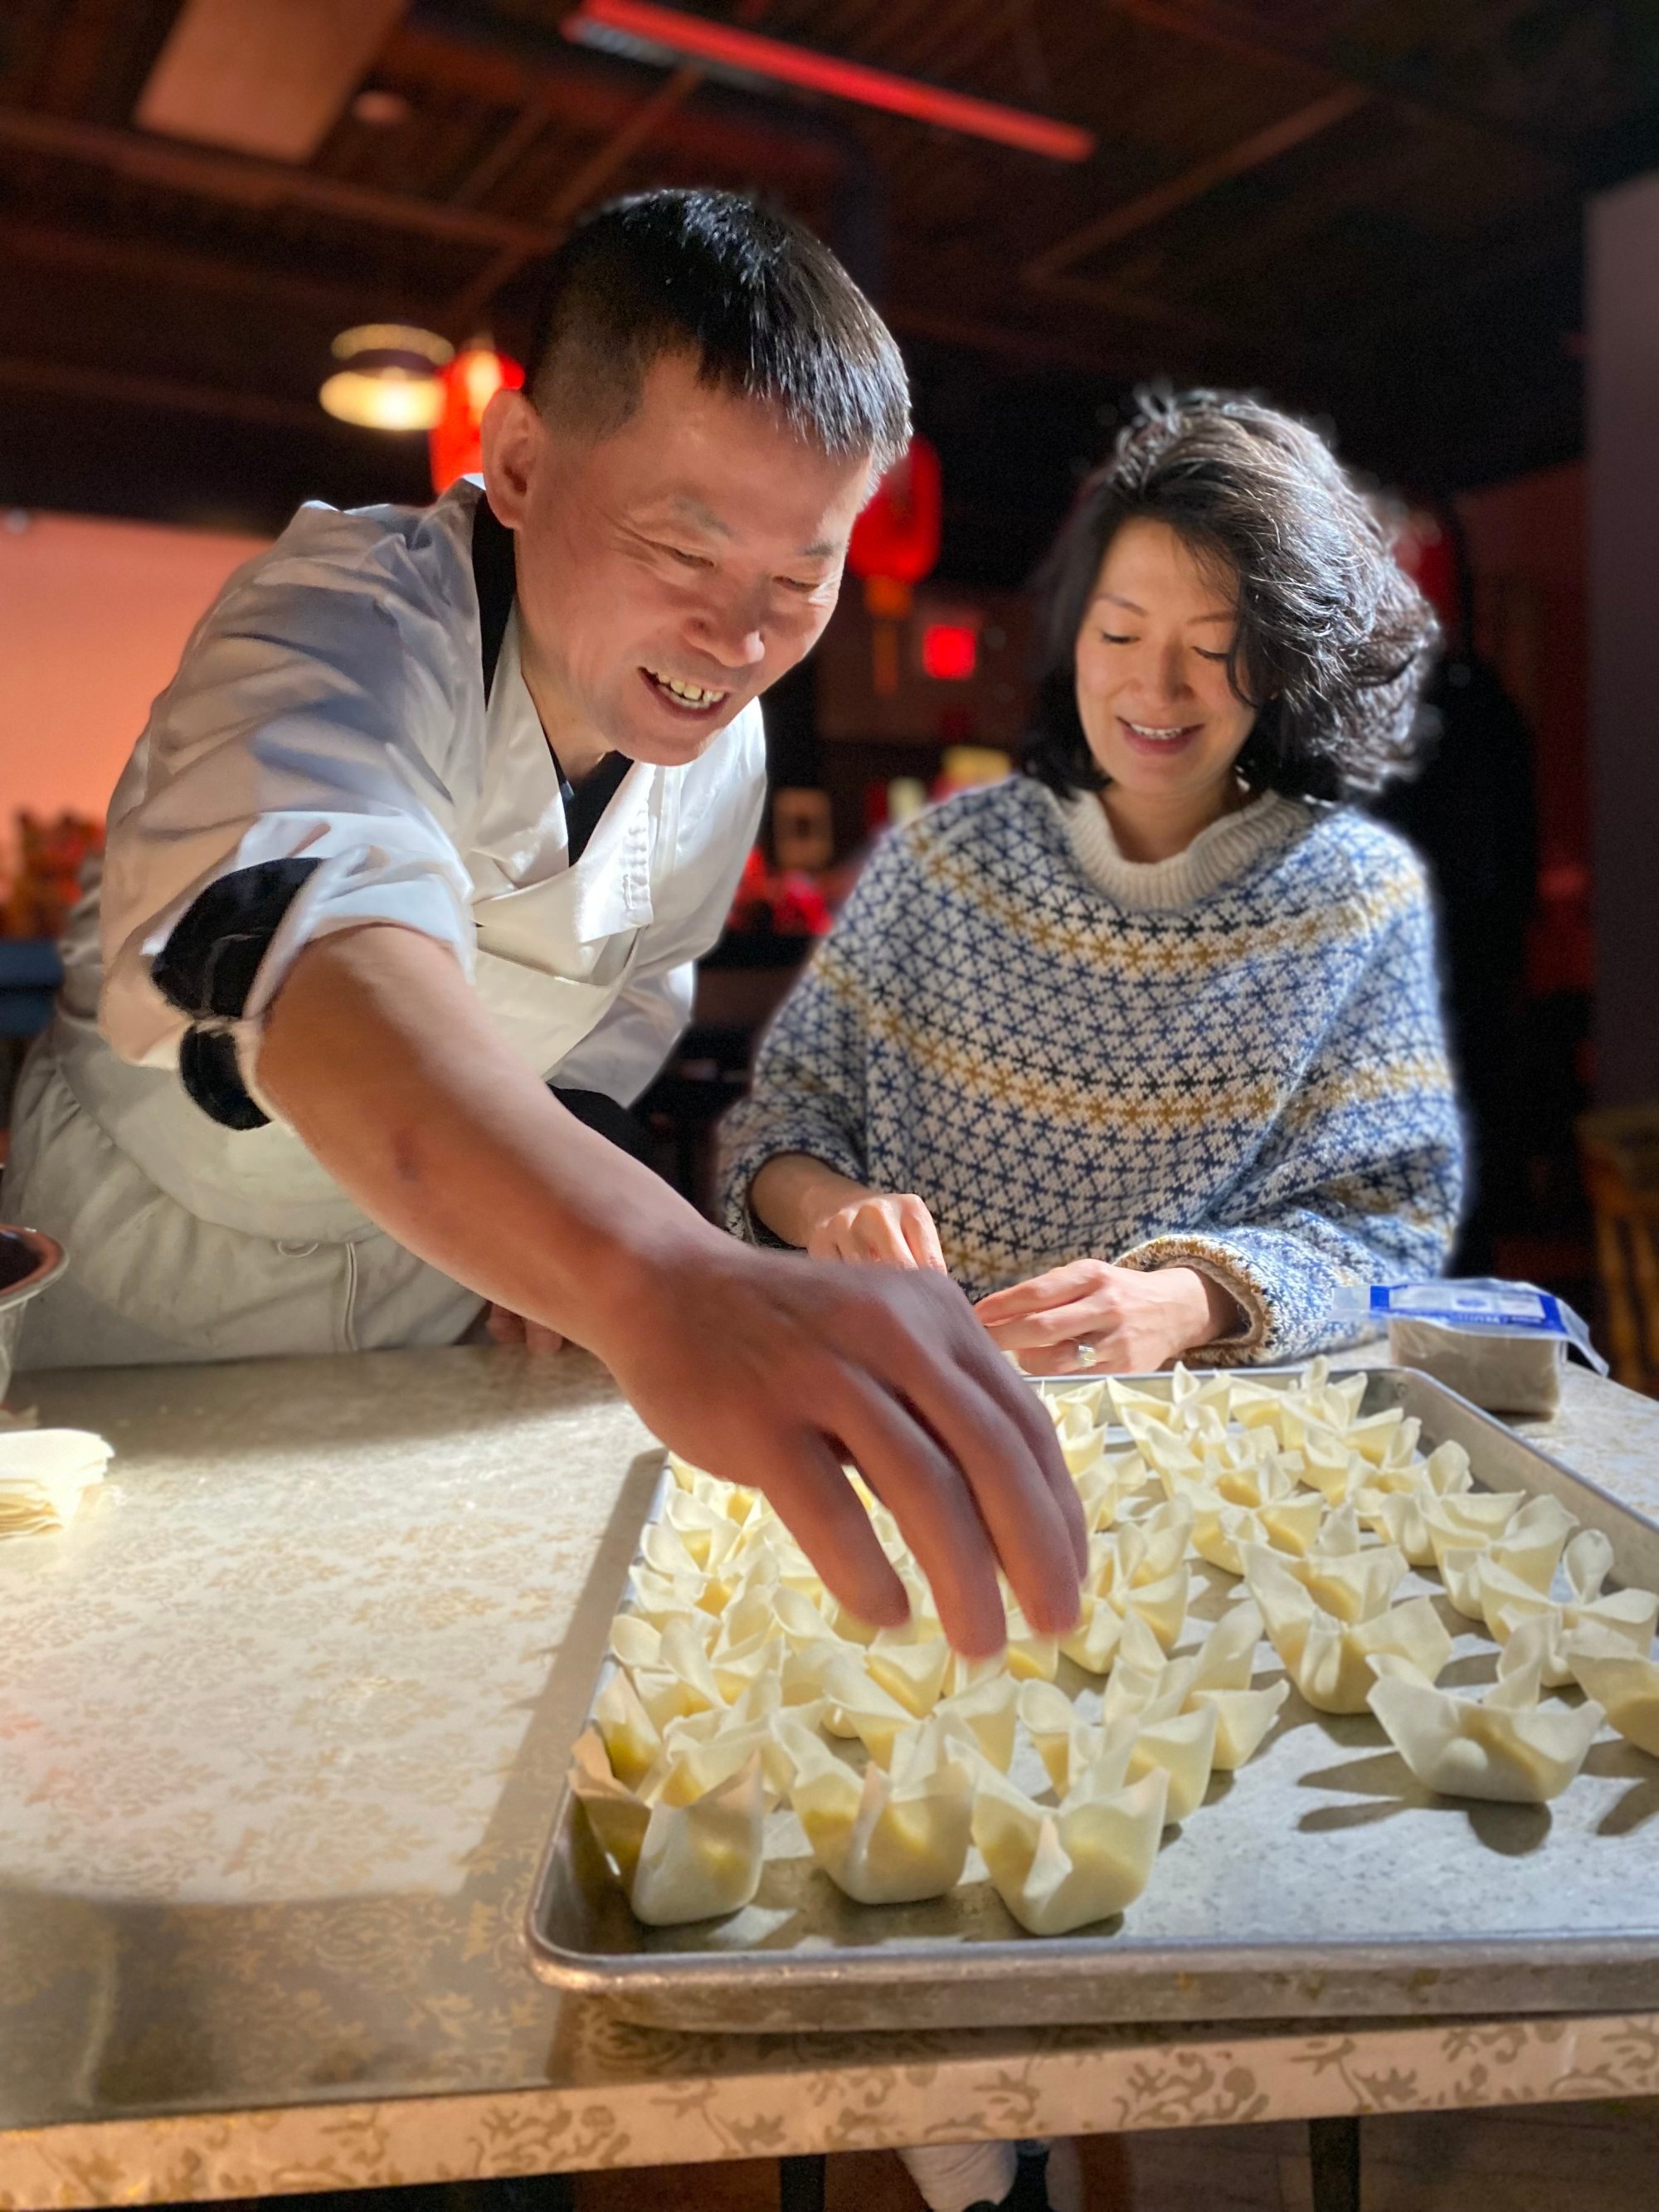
1162	720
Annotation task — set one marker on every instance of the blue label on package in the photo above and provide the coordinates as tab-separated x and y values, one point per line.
1536	1313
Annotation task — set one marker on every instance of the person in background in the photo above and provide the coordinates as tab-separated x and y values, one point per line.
1471	812
1143	1047
440	810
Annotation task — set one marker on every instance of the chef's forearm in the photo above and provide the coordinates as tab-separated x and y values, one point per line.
378	1055
792	1192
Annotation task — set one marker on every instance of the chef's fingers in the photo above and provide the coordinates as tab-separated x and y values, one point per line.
809	1489
904	1464
1004	1441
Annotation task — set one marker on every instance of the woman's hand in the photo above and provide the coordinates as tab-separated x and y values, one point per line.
885	1227
1132	1322
831	1217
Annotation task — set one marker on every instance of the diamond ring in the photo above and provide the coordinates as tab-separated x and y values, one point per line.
1085	1353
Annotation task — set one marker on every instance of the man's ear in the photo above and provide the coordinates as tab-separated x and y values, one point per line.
513	438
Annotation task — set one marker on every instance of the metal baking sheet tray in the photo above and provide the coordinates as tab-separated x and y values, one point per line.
1319	1879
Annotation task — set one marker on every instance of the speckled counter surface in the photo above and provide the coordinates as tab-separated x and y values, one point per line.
281	1722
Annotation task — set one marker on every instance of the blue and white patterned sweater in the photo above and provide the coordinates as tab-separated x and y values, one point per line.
1232	1060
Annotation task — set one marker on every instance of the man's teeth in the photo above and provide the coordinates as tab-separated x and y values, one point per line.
694	694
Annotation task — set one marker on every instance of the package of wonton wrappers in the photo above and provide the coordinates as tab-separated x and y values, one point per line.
1267	1552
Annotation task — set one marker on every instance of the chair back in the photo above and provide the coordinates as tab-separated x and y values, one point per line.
1620	1148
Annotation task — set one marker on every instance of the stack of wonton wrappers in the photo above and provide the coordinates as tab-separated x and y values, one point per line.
741	1691
44	1475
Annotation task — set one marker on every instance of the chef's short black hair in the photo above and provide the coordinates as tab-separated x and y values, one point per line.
762	306
1333	639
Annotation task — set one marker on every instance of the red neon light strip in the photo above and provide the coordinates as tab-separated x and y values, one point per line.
704	40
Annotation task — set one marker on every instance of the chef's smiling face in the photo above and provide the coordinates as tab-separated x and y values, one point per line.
670	571
1163	720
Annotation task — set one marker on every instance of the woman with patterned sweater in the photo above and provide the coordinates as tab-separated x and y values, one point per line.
1143	1046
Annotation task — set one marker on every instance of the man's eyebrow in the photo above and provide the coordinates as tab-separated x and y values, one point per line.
1218	614
699	515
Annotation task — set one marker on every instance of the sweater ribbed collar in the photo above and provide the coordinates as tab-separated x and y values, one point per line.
1215	857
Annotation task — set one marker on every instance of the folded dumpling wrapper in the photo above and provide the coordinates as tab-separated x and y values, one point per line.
1471	1521
632	1740
677	1861
1092	1644
1289	1524
1350	1580
912	1670
45	1473
1391	1504
1330	1660
1508	1604
1622	1681
682	1681
1138	1552
1028	1656
985	1714
1145	1405
884	1837
1505	1747
1327	1465
857	1706
700	1752
661	1598
1064	1742
1243	1721
709	1535
1529	1548
1088	1859
1182	1745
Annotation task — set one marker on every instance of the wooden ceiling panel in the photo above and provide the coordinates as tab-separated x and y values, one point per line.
268	77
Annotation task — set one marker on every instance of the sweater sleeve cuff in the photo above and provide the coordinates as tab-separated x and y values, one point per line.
1233	1273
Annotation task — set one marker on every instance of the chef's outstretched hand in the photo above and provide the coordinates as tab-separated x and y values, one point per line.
773	1373
768	1370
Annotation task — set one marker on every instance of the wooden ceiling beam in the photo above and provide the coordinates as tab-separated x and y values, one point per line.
1227	29
598	97
1193	184
589	180
59	380
55	246
257	185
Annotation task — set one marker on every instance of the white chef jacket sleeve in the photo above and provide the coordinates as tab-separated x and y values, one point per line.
328	711
720	815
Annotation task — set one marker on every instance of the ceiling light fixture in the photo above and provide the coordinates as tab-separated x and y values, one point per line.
656	32
388	379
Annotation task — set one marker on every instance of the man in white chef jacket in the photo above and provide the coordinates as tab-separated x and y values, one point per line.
439	810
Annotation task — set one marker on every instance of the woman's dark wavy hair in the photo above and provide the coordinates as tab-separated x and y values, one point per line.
1333	639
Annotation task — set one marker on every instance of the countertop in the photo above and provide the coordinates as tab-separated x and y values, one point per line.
282	1719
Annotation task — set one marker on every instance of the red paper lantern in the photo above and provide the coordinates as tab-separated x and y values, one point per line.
896	537
471	381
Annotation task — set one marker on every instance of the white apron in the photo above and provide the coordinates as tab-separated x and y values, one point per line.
189	1240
